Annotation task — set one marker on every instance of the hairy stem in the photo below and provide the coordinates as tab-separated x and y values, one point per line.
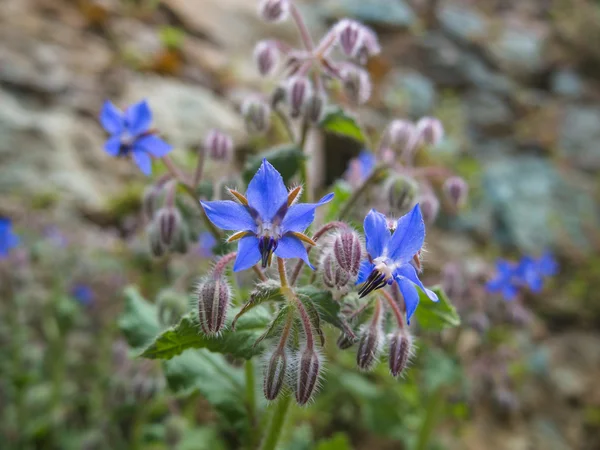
222	264
302	29
282	272
276	424
394	307
306	324
361	190
259	272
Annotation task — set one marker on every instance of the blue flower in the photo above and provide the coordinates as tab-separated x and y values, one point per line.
206	243
130	134
390	256
8	240
361	167
83	294
266	220
507	280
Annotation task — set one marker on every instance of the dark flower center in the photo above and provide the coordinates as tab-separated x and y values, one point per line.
266	247
377	279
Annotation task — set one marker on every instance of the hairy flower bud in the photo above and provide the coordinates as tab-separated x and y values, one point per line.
257	115
402	135
430	206
213	302
168	220
218	145
157	247
299	90
274	10
400	192
344	341
370	343
350	36
150	201
334	277
456	190
315	106
347	250
356	83
400	349
278	96
275	373
430	131
266	57
309	369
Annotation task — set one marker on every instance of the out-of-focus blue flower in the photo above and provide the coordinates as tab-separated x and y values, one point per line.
83	294
506	280
130	134
529	272
360	167
266	219
8	240
206	243
390	256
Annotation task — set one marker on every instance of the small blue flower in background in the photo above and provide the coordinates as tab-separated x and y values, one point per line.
390	256
8	240
266	219
506	280
206	243
130	134
83	294
360	167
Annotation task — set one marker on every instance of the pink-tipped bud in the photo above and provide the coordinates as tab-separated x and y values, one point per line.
357	84
315	105
347	249
299	90
369	346
218	146
430	131
400	349
400	191
257	115
266	57
275	374
350	36
309	369
169	223
213	302
336	279
456	190
402	135
274	10
430	207
344	342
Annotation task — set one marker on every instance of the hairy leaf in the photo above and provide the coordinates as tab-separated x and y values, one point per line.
263	292
139	322
275	326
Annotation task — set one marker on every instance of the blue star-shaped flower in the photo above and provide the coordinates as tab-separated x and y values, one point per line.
361	167
266	219
8	240
532	271
390	256
130	133
506	281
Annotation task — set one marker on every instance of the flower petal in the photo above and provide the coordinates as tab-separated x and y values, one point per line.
266	192
409	236
112	118
495	284
377	234
408	271
229	215
113	145
509	292
247	253
410	294
366	267
138	118
292	247
143	161
153	145
300	216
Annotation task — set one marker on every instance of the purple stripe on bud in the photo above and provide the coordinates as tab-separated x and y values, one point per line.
169	224
347	249
456	191
400	349
218	145
275	373
309	368
299	89
213	302
430	131
274	10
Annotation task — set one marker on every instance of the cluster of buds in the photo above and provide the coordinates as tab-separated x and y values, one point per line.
340	262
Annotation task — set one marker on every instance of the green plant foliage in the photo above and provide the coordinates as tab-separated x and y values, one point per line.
342	191
139	322
269	290
436	316
339	122
338	441
328	308
285	158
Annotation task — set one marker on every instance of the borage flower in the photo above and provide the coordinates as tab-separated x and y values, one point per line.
391	256
532	271
506	280
130	134
266	220
8	240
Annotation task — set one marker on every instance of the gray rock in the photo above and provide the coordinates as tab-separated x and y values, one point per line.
487	110
579	136
412	89
520	50
393	13
567	82
462	22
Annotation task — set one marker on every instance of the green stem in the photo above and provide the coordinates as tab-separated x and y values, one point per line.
431	413
361	190
251	396
306	196
276	424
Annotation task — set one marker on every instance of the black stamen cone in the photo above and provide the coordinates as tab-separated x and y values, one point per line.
375	281
266	246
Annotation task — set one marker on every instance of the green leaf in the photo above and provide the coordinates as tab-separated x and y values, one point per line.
186	334
338	441
139	322
263	292
286	159
339	122
342	191
329	309
436	316
276	324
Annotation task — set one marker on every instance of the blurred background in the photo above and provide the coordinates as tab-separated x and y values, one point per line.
515	84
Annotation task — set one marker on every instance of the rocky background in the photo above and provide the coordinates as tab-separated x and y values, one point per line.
515	84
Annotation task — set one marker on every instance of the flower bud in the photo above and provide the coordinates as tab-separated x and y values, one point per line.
299	90
430	206
274	10
157	247
357	84
182	241
314	108
350	36
257	115
344	341
275	373
169	222
213	302
400	192
278	97
218	145
334	277
150	201
456	190
402	135
369	46
369	346
266	56
309	368
430	131
347	249
400	349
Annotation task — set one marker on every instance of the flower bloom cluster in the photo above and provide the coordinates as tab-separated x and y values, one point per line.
8	239
528	273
